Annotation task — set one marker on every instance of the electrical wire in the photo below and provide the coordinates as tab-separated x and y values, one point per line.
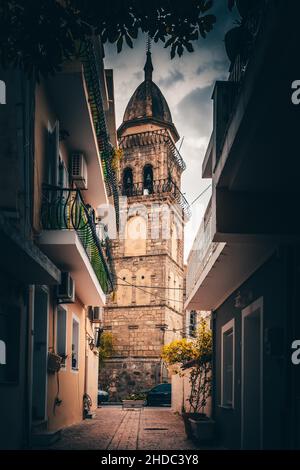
201	194
153	287
147	292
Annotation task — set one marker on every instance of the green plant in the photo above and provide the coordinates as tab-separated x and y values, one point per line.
106	348
39	36
136	396
200	376
198	350
179	351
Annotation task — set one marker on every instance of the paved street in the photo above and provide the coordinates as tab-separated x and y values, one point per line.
114	428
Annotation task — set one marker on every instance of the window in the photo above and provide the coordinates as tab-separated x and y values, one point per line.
52	156
193	323
127	182
148	179
227	365
61	334
75	343
63	175
162	388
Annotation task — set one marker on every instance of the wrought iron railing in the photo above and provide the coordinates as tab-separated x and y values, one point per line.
91	74
252	25
64	209
161	186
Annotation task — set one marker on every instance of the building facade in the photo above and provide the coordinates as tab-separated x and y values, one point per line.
147	311
55	263
244	265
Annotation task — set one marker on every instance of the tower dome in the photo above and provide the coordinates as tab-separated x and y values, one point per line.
148	104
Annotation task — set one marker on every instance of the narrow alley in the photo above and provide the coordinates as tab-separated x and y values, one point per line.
117	429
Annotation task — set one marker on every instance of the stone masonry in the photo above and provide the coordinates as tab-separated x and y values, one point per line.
146	311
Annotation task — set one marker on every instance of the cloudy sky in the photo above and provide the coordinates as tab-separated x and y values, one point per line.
187	85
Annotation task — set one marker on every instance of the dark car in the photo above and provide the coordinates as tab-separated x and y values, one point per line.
159	395
103	396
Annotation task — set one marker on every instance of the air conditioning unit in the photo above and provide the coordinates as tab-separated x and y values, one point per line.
98	314
79	171
90	313
66	289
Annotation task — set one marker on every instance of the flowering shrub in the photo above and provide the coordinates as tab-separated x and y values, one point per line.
179	351
198	350
136	396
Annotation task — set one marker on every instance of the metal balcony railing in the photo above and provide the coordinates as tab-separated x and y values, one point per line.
202	250
162	186
253	24
91	75
64	209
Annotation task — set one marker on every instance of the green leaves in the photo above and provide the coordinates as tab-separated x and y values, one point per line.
39	36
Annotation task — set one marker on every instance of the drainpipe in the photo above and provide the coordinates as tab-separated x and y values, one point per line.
85	352
28	364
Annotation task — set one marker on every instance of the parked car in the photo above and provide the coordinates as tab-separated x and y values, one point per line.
159	395
103	396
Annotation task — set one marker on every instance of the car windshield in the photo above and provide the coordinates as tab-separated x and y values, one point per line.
162	388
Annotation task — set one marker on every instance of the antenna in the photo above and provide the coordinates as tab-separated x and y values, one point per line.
148	65
148	44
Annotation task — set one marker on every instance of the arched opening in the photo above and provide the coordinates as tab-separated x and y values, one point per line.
127	189
148	179
135	236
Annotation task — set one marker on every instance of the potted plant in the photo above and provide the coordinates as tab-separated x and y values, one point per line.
134	400
200	427
195	354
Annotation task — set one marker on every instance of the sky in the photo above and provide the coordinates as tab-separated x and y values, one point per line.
187	84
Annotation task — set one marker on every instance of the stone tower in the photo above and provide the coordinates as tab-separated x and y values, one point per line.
147	310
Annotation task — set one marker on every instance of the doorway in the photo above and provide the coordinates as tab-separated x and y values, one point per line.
40	353
252	373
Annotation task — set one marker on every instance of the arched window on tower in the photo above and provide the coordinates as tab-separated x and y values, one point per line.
127	189
148	179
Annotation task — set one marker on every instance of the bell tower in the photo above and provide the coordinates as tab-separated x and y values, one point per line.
146	312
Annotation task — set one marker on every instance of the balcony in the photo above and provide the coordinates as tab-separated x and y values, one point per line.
70	239
162	186
202	257
216	269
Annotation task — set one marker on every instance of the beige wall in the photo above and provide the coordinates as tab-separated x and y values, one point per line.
71	383
45	120
181	389
92	367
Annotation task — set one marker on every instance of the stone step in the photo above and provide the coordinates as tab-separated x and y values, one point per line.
46	438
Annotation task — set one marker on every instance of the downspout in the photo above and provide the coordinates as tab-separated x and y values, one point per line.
28	363
86	353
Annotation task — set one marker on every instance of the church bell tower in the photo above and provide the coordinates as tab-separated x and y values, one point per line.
146	311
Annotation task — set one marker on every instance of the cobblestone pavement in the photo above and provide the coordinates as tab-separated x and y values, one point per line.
114	428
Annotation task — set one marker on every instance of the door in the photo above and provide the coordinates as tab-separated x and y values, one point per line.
252	368
40	353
